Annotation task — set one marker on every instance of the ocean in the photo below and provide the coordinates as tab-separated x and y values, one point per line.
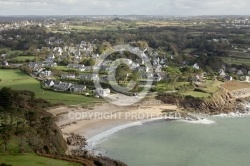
225	142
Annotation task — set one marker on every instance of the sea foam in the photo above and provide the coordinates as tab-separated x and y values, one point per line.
237	114
200	121
99	138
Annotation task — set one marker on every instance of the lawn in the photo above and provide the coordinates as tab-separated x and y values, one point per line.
209	87
33	160
162	87
61	68
24	58
14	52
82	27
18	80
237	61
5	49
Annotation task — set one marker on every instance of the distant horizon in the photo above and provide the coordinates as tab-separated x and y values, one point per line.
123	7
122	15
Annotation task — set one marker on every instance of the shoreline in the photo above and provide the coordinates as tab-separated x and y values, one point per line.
98	129
105	117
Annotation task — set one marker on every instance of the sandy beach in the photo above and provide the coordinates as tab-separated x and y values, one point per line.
89	122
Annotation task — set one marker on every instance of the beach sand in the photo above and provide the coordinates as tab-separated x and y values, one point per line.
89	122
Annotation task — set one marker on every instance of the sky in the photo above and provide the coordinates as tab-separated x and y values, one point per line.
125	7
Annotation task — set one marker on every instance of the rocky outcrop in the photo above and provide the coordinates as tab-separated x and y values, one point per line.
76	140
221	102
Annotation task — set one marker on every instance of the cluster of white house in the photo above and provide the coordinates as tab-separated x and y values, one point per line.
78	89
245	76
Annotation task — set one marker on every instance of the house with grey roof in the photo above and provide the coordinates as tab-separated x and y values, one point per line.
228	78
222	73
62	87
196	66
103	92
5	63
78	88
46	73
68	76
48	83
50	64
240	73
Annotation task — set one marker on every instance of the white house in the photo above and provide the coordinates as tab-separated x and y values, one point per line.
222	73
3	55
68	76
62	87
46	74
228	78
103	92
49	83
78	88
248	78
196	66
5	63
240	73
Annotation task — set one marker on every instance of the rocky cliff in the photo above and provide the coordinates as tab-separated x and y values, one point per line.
224	101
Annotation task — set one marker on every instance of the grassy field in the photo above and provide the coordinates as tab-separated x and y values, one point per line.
237	61
32	160
5	49
23	58
61	68
82	27
14	52
169	87
209	87
18	80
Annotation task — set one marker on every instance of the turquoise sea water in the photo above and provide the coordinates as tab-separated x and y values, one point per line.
175	143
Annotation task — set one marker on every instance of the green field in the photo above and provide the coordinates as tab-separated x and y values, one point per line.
61	68
32	160
14	52
237	61
23	58
164	87
18	80
197	94
82	27
209	87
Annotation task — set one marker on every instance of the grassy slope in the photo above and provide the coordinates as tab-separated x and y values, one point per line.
18	80
33	160
14	158
237	61
211	88
23	58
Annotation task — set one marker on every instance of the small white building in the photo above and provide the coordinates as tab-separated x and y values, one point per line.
240	73
222	73
5	63
49	83
47	73
247	78
228	78
196	66
103	92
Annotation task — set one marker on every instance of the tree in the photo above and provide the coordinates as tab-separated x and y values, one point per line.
90	62
173	74
122	73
